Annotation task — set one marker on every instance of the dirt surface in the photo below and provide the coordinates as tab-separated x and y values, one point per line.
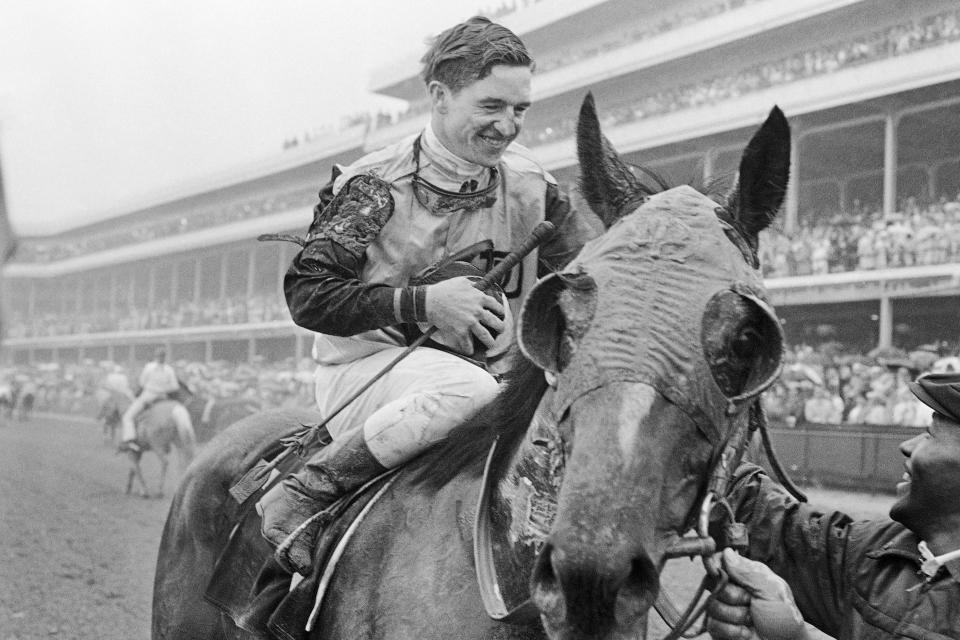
78	555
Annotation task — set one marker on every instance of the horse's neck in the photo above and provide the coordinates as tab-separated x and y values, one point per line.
522	506
528	486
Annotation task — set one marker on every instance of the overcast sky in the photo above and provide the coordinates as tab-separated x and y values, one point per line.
103	102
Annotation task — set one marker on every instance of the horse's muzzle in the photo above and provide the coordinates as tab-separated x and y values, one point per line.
593	597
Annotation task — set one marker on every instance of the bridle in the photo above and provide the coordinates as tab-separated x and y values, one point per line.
734	534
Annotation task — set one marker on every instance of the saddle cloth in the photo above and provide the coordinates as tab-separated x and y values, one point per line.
251	588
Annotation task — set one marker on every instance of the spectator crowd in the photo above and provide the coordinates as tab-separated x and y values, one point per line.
862	240
164	315
822	386
827	386
897	40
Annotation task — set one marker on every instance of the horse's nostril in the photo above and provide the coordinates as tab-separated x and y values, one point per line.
544	587
638	591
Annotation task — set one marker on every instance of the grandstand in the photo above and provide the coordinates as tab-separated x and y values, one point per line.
868	248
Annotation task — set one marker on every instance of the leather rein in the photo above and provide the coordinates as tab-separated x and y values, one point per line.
734	533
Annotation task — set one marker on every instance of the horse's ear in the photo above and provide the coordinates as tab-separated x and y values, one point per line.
606	182
545	333
764	171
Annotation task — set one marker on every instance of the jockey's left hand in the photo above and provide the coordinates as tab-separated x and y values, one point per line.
756	604
462	312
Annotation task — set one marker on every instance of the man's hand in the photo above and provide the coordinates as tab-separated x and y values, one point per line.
756	604
461	312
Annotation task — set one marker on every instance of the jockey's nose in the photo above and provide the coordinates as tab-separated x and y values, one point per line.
508	124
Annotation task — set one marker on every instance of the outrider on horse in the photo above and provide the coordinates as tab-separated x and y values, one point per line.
640	361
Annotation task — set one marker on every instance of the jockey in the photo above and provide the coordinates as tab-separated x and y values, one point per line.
379	224
117	382
157	380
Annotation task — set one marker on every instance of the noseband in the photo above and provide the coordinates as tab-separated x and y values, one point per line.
734	534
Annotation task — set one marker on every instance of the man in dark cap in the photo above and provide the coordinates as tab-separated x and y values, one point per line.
896	577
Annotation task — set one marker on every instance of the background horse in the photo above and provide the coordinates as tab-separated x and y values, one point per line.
639	361
160	426
212	415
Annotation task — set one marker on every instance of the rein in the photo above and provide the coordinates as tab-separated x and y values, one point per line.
734	532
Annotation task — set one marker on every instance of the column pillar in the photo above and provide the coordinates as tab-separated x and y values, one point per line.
197	269
890	163
708	165
792	204
886	322
224	261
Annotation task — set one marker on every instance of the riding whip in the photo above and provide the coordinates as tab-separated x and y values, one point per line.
256	477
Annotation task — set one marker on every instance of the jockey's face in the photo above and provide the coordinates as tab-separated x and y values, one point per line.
927	496
478	122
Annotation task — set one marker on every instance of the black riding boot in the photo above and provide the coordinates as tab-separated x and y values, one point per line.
329	474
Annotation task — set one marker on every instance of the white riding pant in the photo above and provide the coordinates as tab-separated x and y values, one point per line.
414	405
128	430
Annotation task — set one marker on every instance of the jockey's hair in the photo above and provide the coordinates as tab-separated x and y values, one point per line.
466	52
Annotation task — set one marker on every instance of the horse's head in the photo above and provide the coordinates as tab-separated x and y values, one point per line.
658	339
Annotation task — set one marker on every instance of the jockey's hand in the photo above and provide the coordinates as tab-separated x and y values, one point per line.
462	312
756	604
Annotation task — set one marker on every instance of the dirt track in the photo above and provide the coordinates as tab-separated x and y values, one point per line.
78	555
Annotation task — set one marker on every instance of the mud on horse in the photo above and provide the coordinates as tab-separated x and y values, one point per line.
640	360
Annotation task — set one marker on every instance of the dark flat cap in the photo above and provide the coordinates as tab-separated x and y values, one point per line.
940	392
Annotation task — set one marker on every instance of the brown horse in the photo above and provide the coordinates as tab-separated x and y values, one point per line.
641	359
159	427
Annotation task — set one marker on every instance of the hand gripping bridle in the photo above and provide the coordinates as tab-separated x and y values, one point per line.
734	534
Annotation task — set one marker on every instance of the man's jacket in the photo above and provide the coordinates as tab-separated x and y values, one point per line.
370	235
853	580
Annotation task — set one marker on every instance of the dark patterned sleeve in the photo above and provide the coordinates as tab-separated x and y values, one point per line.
323	287
805	546
574	229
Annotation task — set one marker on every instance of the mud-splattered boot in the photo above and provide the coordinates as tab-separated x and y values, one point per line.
287	510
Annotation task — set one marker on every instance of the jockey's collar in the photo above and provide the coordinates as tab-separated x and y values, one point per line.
440	201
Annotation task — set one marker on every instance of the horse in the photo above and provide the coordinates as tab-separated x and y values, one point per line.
640	360
212	415
160	426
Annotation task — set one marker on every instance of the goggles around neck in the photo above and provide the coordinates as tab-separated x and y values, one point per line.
441	201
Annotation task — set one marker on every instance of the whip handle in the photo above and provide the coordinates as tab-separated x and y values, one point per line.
540	234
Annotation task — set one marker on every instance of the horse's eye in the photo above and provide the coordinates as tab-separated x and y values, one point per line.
744	344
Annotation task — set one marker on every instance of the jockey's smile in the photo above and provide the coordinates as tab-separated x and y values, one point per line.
478	122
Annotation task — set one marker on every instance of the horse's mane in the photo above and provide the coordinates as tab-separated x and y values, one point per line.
506	417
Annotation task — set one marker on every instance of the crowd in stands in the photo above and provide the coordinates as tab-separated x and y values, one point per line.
52	249
827	386
231	310
894	41
822	386
863	240
72	388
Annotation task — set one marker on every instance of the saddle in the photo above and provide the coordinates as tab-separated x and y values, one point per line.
261	597
512	521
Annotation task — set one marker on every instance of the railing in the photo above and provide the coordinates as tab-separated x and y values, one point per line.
853	457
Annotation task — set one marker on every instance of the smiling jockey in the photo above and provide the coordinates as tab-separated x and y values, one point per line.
379	225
